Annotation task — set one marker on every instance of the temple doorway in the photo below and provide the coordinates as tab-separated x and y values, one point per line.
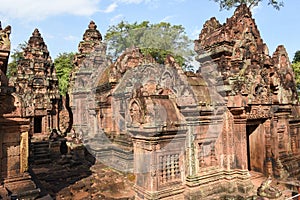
38	124
255	147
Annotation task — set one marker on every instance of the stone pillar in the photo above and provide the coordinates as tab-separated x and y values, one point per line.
294	140
228	141
45	126
24	152
48	121
240	143
95	122
55	117
14	158
274	136
190	153
269	157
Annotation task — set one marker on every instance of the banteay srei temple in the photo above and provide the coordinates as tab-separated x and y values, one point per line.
136	129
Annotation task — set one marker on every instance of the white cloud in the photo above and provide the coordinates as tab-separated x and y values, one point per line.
31	10
116	19
167	18
37	10
71	38
110	8
130	1
135	1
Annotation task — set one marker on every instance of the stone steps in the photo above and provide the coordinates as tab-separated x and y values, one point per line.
292	164
41	152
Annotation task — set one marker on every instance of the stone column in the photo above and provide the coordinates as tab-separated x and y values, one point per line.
56	117
190	152
92	122
294	140
14	158
24	152
274	136
267	129
240	143
47	120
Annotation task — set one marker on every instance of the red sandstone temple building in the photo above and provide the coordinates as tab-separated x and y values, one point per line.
193	135
185	135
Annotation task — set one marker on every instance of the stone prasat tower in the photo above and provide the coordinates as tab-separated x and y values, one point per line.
14	138
194	135
37	84
259	90
91	55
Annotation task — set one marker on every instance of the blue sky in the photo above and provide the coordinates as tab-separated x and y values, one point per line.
63	22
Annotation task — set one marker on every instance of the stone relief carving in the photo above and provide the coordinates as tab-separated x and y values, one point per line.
4	38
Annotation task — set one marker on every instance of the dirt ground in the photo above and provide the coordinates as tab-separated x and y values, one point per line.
66	178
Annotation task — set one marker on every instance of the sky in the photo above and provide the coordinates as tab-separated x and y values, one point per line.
63	22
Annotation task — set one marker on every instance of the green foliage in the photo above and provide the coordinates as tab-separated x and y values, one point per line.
296	68
297	57
228	4
157	40
64	65
15	56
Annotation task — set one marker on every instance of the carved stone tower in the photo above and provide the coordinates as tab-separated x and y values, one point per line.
37	83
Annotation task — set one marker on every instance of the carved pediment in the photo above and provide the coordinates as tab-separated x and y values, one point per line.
4	38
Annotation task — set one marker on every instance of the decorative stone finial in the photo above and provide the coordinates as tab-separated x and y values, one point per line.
92	25
36	41
36	33
91	38
92	34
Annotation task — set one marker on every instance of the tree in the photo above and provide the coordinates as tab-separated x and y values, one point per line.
297	57
157	40
63	65
16	55
228	4
296	68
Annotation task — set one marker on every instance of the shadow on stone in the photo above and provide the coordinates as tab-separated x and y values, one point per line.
55	177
